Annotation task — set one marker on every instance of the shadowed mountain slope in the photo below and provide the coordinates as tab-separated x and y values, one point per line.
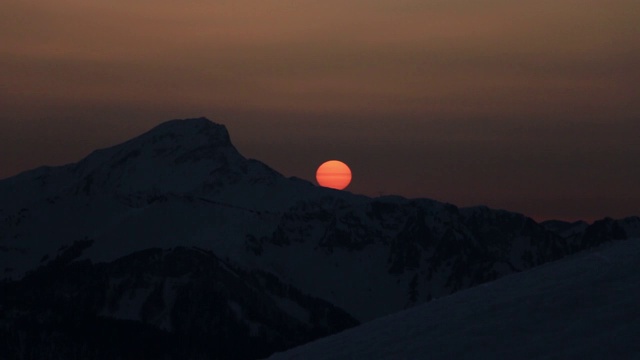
582	307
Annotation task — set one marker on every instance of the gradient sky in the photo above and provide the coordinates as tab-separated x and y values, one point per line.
531	106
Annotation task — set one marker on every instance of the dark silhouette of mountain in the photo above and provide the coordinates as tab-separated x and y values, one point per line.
120	237
173	303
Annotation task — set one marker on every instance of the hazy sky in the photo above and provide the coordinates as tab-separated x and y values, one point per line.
531	106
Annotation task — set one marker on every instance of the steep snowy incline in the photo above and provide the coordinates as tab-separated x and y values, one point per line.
586	306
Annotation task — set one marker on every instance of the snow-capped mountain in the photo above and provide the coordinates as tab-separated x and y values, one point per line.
399	252
183	185
582	307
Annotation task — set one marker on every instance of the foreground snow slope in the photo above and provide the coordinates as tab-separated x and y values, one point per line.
585	306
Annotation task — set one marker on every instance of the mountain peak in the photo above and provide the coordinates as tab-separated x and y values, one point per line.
175	156
216	134
180	156
176	141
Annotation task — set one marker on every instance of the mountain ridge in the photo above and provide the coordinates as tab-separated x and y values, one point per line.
183	185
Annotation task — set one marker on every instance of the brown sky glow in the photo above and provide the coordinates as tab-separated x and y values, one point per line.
527	105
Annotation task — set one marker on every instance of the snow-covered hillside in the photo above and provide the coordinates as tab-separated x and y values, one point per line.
583	307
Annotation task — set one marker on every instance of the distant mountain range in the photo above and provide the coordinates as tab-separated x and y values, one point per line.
178	238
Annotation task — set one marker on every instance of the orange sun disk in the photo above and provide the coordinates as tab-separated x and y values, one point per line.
334	174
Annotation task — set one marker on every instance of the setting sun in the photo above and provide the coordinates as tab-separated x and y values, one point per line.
334	174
